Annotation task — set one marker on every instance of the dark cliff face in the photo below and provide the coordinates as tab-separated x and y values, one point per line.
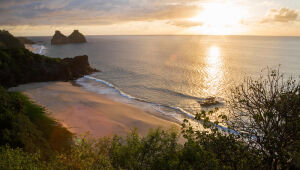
25	40
19	66
75	37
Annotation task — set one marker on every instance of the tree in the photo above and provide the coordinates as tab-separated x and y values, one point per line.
266	113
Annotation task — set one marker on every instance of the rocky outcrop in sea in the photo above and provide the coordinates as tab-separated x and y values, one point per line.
75	37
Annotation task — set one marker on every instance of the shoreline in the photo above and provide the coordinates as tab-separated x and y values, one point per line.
82	111
30	47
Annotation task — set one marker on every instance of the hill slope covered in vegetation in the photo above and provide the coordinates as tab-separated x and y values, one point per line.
18	65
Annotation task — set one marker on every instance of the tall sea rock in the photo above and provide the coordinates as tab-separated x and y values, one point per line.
59	38
75	37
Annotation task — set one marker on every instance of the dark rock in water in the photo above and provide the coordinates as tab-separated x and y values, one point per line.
75	37
25	40
77	67
210	101
59	38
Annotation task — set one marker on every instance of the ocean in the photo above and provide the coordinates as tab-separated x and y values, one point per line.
172	74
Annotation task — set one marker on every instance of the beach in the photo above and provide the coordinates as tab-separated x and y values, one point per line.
84	112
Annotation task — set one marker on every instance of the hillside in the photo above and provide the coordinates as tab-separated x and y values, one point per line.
18	65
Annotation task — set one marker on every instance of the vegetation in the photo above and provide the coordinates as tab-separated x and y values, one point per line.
18	65
7	41
26	125
266	112
158	150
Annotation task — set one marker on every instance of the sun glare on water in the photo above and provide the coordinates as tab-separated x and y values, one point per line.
214	53
214	71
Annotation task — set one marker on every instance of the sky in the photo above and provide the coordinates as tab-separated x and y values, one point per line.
151	17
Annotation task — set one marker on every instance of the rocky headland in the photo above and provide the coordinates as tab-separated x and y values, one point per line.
75	37
18	65
25	40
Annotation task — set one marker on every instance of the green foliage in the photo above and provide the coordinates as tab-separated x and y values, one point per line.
26	125
266	112
12	159
9	41
18	65
158	150
227	149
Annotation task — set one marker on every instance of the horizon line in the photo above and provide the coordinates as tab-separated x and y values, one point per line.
249	35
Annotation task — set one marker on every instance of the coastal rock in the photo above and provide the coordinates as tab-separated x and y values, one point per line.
77	67
19	66
210	101
25	40
75	37
59	38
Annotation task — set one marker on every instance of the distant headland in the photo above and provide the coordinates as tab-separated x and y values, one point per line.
75	37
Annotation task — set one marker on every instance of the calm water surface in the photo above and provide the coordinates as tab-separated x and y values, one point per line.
173	73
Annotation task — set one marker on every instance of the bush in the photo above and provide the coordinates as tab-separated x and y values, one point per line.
12	159
26	125
266	112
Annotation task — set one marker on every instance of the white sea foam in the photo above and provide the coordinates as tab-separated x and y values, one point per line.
117	94
39	49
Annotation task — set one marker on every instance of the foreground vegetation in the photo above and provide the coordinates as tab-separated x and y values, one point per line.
26	125
263	133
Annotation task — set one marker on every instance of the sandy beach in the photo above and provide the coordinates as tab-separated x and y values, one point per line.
29	47
83	111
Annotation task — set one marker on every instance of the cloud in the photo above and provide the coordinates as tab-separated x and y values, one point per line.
92	12
281	15
185	23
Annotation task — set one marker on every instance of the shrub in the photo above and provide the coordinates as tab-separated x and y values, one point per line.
25	125
266	112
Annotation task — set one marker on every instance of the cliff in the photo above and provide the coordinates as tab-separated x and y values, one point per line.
19	66
25	40
75	37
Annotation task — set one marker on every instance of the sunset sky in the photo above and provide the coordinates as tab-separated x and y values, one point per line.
151	17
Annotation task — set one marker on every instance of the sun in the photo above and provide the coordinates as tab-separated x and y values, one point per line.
220	18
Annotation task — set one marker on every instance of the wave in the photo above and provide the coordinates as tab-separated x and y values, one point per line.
176	93
156	106
159	105
39	49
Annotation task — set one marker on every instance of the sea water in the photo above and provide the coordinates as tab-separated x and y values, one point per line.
173	74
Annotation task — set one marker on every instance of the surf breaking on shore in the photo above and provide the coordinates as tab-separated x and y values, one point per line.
82	111
102	87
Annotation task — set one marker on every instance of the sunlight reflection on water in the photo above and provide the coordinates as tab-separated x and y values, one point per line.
213	71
